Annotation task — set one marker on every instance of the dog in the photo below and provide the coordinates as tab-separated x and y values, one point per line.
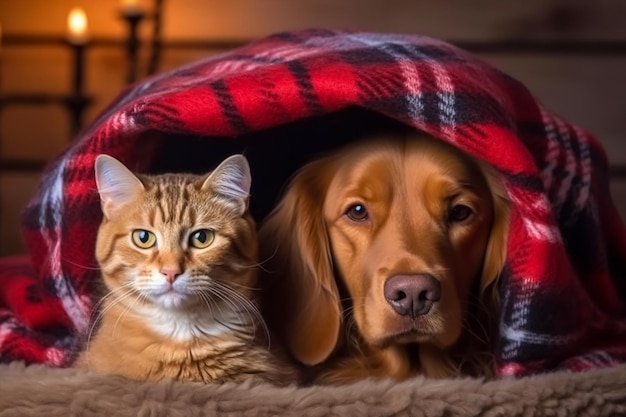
382	261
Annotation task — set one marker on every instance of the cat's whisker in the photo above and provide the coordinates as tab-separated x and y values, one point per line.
208	295
127	308
208	302
215	291
244	287
116	301
264	261
248	306
247	266
231	296
208	299
96	309
89	268
112	292
126	292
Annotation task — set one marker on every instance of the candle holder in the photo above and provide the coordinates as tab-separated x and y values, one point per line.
77	102
133	18
77	39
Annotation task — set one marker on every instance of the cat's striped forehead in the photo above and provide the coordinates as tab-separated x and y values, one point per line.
173	186
177	198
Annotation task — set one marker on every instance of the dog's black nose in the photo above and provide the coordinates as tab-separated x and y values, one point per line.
412	295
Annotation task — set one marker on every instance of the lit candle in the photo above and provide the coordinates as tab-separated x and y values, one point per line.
77	26
132	8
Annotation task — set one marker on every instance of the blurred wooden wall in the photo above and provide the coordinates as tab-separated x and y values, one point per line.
586	87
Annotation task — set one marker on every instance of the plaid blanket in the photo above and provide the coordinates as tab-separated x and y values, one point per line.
563	289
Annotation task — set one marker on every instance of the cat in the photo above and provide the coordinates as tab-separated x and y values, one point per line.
178	259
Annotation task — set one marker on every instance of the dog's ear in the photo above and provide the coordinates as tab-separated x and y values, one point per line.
495	255
302	302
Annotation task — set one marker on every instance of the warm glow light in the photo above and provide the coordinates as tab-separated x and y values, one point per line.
132	7
77	26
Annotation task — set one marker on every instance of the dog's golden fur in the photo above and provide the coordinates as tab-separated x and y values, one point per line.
357	231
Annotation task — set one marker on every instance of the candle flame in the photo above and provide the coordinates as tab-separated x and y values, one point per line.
77	25
132	7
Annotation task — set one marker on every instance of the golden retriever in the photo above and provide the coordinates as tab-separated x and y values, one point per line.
382	258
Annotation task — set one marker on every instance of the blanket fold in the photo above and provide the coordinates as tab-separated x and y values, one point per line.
285	98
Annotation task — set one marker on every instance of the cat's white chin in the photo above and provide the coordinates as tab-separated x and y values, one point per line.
169	296
171	300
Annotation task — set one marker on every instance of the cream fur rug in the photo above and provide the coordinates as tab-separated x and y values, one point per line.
48	392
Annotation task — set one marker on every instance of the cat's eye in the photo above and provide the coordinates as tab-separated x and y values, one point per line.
144	239
202	238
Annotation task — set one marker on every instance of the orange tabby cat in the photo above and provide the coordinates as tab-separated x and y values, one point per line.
178	254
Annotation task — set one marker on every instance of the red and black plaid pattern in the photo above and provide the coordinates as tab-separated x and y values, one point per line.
563	289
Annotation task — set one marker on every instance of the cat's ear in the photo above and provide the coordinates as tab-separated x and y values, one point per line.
231	179
117	186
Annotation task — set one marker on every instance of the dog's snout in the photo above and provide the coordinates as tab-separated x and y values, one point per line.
412	295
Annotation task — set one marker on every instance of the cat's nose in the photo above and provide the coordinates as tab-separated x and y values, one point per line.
171	272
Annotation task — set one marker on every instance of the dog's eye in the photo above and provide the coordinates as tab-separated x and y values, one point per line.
459	213
357	212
